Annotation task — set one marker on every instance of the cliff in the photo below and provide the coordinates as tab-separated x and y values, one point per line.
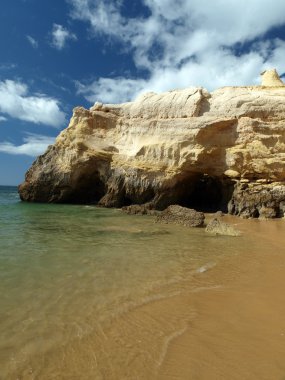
209	151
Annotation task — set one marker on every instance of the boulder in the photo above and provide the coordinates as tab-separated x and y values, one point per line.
217	227
181	215
258	199
144	209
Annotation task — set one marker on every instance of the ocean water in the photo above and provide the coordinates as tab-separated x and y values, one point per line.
80	287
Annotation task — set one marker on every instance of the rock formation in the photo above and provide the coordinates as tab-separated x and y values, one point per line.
218	227
271	78
181	215
223	150
144	209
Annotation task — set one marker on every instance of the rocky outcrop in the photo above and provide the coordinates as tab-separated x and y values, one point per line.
181	215
258	199
271	78
218	227
209	151
144	209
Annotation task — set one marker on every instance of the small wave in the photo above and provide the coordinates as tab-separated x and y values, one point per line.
206	267
131	230
153	233
203	288
167	343
107	230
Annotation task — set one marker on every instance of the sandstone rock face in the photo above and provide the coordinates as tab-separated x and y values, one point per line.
271	78
208	151
257	199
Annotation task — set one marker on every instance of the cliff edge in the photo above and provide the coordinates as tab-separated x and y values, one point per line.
223	150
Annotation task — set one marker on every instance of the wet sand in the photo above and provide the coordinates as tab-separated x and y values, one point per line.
231	326
240	332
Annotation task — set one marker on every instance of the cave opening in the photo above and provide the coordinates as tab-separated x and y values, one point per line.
88	188
205	193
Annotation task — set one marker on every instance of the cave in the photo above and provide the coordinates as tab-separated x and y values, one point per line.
202	192
86	188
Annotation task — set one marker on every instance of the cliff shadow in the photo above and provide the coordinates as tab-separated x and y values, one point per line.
199	191
86	185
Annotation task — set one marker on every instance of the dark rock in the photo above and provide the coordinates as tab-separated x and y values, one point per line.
265	200
181	215
145	209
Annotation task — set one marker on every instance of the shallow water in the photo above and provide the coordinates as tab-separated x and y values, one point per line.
91	293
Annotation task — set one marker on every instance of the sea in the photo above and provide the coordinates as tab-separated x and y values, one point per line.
93	293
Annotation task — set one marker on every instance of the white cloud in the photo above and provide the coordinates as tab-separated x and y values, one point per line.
111	90
2	118
33	145
197	42
38	109
60	36
32	41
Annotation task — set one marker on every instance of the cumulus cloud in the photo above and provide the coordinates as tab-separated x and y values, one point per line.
33	145
111	90
188	43
16	102
60	36
32	41
2	118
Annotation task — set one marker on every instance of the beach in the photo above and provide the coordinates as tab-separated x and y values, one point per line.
92	293
142	190
240	331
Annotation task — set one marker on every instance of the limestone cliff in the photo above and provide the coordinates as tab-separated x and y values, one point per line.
209	151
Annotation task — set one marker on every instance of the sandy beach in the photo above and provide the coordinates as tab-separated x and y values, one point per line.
223	322
240	332
92	293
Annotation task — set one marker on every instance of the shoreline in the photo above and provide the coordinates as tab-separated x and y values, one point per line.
222	320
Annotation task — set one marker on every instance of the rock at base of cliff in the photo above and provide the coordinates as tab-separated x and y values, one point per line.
258	199
181	215
217	227
144	209
267	213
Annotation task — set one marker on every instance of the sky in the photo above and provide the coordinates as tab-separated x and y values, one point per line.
59	54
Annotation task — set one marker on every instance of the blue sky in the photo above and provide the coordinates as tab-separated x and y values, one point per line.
59	54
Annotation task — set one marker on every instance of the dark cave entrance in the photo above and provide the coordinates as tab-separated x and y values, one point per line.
203	192
86	188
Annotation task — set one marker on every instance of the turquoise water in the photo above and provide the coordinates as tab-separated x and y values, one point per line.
68	270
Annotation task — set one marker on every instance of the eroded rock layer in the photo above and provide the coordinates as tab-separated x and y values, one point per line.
209	151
